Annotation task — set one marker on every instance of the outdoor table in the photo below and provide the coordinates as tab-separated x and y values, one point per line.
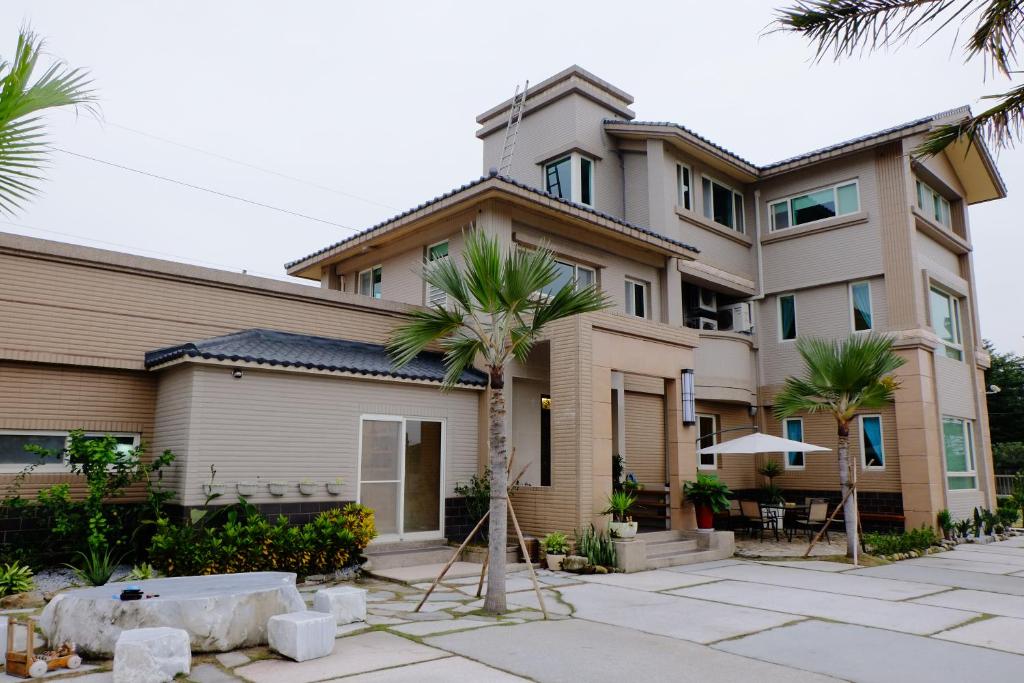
791	514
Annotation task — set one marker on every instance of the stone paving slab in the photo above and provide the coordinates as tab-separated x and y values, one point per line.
352	655
699	567
1000	633
428	572
991	548
984	553
667	615
208	673
846	583
426	628
967	564
232	659
448	670
655	580
855	653
898	616
529	599
817	565
977	601
581	651
951	578
512	585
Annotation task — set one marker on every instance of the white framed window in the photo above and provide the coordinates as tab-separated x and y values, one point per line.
568	272
787	317
861	318
638	298
722	204
371	282
944	309
958	449
707	430
793	429
933	205
14	457
836	200
571	177
872	446
684	194
436	252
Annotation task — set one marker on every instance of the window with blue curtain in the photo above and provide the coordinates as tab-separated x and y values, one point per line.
787	316
871	441
795	432
860	296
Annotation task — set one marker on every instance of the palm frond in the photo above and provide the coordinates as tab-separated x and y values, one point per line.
425	328
482	274
444	274
23	147
527	271
848	27
459	353
1000	125
798	396
995	36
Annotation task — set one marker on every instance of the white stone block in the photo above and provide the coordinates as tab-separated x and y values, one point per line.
151	655
346	603
302	635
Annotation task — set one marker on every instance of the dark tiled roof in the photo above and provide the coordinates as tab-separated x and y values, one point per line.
510	181
689	131
286	349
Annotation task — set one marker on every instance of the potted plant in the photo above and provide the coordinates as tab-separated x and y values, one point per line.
247	488
307	487
334	488
278	488
619	505
945	520
708	495
556	547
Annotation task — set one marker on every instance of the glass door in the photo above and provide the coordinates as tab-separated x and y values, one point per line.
401	474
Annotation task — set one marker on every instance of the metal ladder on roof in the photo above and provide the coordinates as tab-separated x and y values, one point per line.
515	115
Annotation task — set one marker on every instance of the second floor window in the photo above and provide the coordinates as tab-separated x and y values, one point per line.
872	448
683	199
838	200
933	205
436	252
560	177
637	294
945	313
787	317
722	204
568	273
860	303
370	281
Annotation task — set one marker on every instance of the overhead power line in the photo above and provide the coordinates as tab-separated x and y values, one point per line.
204	189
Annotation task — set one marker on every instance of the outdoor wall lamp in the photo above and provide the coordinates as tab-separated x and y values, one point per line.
236	373
689	400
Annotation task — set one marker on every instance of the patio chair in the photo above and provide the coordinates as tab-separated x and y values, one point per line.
817	513
760	517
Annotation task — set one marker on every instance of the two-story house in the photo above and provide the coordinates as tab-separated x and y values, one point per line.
715	267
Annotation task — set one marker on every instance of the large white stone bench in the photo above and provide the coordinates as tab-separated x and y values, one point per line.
151	655
220	613
302	635
346	603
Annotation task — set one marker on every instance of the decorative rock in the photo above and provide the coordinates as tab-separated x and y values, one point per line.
22	601
302	635
209	608
151	655
345	603
574	563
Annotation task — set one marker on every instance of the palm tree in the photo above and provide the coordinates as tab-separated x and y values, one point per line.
841	378
23	145
847	27
495	311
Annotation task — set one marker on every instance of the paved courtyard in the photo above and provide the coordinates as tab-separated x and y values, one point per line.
953	616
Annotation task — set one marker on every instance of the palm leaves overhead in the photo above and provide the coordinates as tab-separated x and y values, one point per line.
845	28
23	146
494	308
841	378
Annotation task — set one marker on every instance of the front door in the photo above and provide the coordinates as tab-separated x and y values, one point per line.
401	471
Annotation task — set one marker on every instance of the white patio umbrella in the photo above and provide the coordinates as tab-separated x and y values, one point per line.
762	443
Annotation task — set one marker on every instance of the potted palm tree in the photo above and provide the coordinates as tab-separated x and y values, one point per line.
708	495
556	547
622	525
841	378
494	310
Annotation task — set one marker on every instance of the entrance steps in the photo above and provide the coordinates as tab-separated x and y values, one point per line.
406	554
658	549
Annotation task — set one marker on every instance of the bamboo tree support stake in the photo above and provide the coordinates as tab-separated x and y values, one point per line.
483	571
526	556
452	561
824	527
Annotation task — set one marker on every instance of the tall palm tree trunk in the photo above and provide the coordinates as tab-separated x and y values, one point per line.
850	507
498	523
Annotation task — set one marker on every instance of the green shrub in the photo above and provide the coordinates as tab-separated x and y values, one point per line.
238	538
15	578
596	546
97	567
945	520
477	493
889	544
1007	512
556	543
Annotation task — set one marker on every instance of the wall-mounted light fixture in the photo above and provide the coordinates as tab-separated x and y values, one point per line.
689	399
753	411
236	373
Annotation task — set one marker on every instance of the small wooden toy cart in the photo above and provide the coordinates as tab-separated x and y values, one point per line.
26	664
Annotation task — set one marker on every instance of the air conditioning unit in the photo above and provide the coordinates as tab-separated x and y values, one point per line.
708	300
707	323
735	318
700	301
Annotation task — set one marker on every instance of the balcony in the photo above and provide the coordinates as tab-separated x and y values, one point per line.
725	367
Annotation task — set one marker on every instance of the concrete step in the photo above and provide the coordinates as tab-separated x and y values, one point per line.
679	559
378	547
659	536
663	548
407	557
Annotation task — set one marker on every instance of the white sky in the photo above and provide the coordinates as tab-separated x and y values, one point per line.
378	100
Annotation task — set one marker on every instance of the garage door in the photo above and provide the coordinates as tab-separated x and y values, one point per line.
645	437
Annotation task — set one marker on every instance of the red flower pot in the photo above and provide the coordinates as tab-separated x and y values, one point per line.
705	516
